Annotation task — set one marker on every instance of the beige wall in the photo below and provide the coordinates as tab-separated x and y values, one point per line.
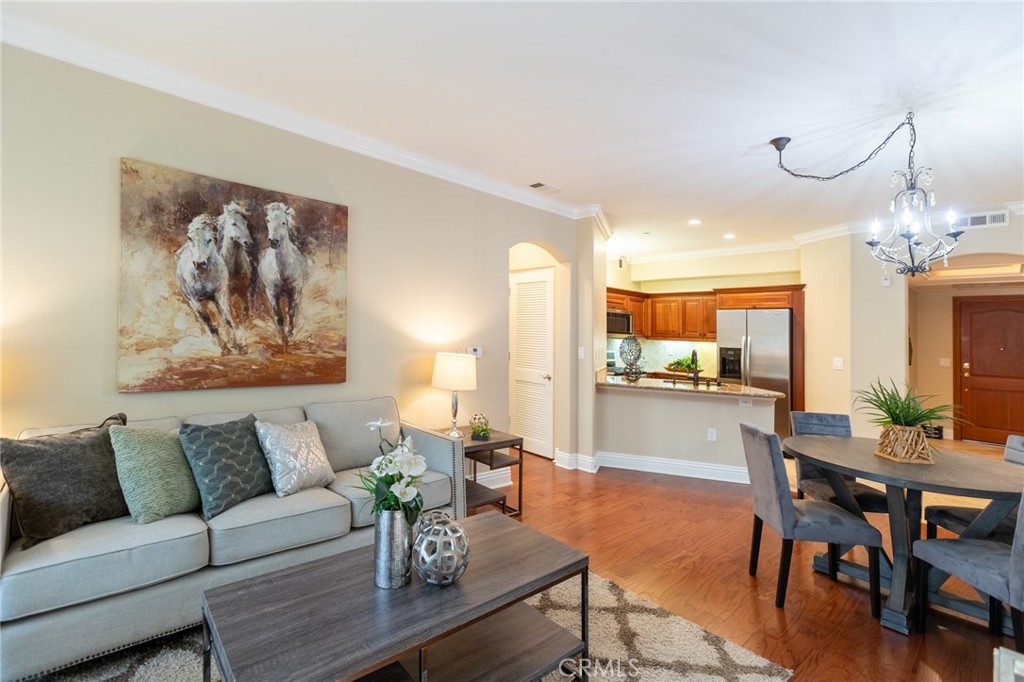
734	265
428	259
827	299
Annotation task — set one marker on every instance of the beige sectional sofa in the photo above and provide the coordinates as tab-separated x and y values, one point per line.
113	583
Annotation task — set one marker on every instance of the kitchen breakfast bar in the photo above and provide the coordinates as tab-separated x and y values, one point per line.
671	426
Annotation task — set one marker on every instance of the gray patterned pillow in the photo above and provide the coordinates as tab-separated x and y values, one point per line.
155	476
296	456
227	463
63	481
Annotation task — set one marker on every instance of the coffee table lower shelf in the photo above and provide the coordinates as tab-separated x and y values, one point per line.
515	645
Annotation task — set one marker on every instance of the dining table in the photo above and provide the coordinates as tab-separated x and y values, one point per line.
951	473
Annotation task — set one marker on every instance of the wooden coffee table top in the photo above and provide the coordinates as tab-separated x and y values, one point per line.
326	619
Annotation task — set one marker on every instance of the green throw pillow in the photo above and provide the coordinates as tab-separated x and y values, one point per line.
227	463
155	476
63	481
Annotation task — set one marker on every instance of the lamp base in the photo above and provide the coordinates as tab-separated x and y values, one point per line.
454	432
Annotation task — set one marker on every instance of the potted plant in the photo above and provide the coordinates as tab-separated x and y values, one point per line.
901	414
481	431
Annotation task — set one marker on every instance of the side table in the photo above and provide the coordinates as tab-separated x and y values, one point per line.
486	452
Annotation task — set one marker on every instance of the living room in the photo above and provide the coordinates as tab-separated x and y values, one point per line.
429	256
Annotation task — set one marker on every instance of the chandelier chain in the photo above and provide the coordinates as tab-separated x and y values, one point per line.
908	121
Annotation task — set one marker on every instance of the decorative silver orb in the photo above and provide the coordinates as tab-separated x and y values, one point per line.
479	418
440	554
629	351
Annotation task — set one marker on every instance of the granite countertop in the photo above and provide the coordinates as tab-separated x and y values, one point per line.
686	386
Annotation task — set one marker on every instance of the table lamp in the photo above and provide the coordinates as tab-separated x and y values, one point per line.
454	372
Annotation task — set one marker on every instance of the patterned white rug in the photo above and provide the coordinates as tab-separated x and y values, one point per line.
630	639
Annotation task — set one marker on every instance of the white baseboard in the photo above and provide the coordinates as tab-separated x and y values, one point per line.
656	465
495	478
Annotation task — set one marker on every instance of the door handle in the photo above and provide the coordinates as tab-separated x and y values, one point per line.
546	377
967	374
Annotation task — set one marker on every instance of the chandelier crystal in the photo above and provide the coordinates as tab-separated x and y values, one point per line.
911	244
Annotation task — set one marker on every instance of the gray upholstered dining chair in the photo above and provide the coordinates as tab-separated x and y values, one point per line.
810	479
810	520
957	519
993	568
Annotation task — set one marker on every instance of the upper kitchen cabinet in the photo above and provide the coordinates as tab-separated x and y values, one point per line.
632	302
700	319
783	296
666	317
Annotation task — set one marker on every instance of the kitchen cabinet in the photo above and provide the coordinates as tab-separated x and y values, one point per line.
699	321
635	303
666	317
783	296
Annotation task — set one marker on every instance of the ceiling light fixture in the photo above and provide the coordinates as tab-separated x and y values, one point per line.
694	221
729	235
911	244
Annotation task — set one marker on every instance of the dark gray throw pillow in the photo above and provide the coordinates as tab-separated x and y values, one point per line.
63	481
227	462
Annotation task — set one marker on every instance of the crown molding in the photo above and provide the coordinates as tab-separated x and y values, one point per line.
62	47
824	233
602	222
716	253
1016	206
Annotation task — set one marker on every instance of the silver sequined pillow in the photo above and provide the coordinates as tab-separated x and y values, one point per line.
296	456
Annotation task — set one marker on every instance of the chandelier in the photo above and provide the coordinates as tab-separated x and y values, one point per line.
911	243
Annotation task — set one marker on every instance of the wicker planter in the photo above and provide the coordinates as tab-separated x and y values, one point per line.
904	444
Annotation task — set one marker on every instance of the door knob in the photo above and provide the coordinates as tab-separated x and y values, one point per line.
967	374
546	377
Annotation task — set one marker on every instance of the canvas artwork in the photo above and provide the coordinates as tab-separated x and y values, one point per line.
227	285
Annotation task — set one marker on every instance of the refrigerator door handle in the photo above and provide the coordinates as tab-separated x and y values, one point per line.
745	370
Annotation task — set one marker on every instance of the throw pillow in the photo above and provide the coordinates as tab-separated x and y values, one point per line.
155	476
63	481
296	456
227	463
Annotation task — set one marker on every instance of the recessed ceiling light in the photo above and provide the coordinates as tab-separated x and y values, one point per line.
729	235
694	221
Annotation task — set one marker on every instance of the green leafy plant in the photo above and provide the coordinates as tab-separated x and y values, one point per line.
481	429
890	405
683	365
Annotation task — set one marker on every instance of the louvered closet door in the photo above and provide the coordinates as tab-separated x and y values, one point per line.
531	360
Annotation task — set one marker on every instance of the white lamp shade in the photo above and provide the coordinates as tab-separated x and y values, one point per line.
454	372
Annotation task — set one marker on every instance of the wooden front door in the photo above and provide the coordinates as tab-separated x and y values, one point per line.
988	345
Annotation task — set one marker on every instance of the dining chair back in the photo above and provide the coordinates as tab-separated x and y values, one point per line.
992	567
810	479
810	520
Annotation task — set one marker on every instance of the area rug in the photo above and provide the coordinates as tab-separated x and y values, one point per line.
630	639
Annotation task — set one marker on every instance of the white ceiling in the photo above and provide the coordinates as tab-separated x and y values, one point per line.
657	113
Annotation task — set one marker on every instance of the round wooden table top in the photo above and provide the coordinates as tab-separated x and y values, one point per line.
952	473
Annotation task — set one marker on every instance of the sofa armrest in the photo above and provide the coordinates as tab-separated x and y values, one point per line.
6	516
445	455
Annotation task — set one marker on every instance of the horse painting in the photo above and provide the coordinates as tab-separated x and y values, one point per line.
238	252
282	269
203	279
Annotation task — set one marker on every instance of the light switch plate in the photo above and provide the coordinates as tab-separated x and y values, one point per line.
477	351
837	363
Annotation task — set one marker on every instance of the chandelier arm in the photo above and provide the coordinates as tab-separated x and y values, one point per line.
908	121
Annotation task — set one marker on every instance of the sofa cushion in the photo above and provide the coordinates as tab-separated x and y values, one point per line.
227	463
154	473
98	560
436	489
268	524
60	482
295	455
343	429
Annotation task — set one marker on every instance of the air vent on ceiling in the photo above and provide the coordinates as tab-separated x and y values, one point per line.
546	189
997	219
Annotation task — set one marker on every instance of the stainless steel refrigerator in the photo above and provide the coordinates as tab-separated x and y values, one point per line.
755	349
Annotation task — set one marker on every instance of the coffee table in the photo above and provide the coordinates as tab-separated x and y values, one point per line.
325	620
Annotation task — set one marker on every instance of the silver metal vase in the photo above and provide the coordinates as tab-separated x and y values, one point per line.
392	550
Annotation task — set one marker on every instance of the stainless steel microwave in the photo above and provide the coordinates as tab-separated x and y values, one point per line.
620	322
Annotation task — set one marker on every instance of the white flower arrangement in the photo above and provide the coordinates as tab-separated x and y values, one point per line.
394	477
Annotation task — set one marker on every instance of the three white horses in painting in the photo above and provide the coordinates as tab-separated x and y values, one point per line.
203	279
237	250
282	269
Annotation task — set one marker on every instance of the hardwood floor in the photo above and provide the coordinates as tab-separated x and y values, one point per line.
684	544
